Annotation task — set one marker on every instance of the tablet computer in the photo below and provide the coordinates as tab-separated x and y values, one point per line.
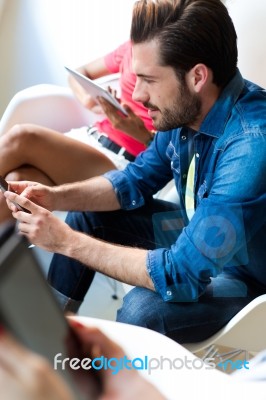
29	310
95	90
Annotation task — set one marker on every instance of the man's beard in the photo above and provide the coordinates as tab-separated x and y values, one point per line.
184	112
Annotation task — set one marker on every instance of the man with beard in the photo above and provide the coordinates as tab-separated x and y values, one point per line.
194	265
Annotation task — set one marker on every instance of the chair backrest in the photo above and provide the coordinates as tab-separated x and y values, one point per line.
246	330
34	105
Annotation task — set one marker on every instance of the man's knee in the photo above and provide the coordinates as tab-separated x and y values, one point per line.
80	221
139	308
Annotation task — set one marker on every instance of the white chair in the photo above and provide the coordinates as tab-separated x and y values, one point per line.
52	106
245	331
175	371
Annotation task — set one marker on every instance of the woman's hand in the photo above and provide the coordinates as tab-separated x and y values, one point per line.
25	375
127	384
131	124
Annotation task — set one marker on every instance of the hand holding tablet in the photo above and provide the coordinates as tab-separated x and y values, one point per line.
95	90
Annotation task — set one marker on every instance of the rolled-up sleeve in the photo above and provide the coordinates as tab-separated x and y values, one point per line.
216	238
145	176
128	195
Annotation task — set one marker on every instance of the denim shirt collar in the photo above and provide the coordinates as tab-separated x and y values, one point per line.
215	121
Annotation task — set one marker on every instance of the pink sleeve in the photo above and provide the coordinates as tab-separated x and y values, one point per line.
113	59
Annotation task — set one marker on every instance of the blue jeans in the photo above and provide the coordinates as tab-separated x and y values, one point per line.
183	322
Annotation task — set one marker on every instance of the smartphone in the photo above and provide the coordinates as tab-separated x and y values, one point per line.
4	188
30	311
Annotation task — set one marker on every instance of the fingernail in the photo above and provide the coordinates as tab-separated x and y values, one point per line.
78	324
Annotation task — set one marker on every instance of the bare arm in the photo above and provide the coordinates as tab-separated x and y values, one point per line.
95	194
125	264
42	228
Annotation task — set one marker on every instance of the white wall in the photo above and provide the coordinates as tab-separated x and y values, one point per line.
2	3
38	37
249	17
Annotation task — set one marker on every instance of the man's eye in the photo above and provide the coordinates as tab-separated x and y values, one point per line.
148	80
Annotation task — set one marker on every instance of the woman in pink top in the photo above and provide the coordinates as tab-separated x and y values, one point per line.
31	152
121	61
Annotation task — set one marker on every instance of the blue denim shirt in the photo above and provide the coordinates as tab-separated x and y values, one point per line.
227	232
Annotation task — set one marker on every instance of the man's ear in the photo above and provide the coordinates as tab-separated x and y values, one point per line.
198	76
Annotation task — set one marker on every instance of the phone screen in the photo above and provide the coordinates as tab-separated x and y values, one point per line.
3	184
30	311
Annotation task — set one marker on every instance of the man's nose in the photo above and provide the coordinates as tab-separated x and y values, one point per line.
139	94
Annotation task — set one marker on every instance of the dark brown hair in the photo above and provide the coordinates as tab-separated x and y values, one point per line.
188	32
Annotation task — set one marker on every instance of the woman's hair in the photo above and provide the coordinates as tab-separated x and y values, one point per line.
188	32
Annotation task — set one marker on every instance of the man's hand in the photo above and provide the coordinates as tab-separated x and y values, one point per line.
132	125
37	193
40	227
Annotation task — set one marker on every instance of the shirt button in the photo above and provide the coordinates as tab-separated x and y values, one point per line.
197	155
183	137
184	176
133	202
169	293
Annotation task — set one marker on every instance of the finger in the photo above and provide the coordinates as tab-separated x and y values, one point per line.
19	187
128	109
92	337
22	201
24	228
107	105
113	92
111	113
11	206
